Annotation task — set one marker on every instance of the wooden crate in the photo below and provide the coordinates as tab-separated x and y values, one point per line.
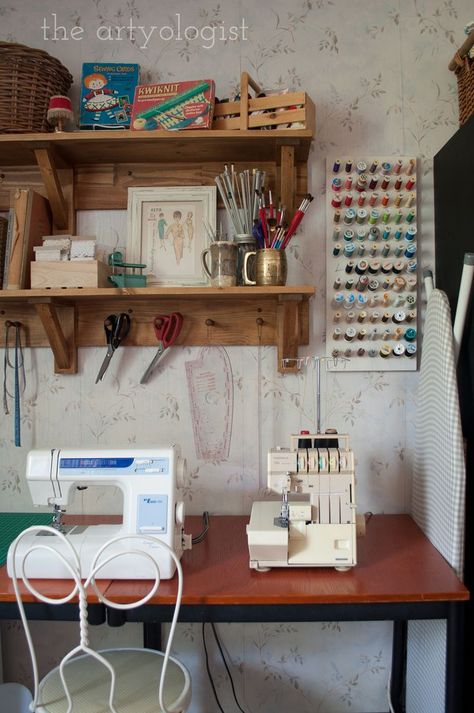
73	273
280	110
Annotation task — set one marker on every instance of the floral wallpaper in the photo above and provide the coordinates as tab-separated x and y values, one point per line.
377	72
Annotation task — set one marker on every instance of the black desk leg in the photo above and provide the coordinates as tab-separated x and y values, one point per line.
455	657
399	664
152	635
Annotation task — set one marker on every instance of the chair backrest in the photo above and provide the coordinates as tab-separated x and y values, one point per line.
80	584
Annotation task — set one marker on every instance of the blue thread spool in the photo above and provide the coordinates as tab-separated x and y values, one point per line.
411	250
411	232
349	249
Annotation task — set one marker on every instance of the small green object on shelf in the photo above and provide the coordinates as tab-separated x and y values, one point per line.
122	278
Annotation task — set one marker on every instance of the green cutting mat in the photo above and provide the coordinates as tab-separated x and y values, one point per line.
12	523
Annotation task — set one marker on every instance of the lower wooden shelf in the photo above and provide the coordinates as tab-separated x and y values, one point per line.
65	319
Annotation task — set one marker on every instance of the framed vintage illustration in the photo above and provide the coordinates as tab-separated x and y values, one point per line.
166	231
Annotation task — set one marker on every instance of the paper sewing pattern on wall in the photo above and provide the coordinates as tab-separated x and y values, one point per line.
211	396
371	263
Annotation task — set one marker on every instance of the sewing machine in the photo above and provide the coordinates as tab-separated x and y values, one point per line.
148	479
314	524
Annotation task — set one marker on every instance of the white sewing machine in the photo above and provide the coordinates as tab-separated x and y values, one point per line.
317	526
148	479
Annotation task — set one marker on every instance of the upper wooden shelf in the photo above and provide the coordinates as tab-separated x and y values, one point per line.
95	147
66	319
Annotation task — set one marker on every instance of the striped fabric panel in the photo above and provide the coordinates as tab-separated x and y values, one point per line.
438	495
439	471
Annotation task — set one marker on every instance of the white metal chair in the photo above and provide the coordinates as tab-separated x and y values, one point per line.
122	680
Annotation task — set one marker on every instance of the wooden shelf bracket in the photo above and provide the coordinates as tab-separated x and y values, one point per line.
59	321
54	191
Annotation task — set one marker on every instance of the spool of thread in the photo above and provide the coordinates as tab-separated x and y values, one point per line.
399	317
361	233
410	233
410	183
361	167
336	201
350	317
361	198
336	166
336	234
385	199
373	285
386	233
336	184
361	249
349	267
338	299
348	235
386	168
374	233
348	165
349	216
373	182
398	200
362	316
337	333
411	250
411	216
398	183
410	200
349	283
385	351
360	352
361	267
374	267
410	334
337	216
59	112
411	266
349	249
398	350
386	250
385	183
410	350
348	183
336	250
397	166
386	216
348	199
361	183
373	199
337	317
374	216
398	267
361	215
337	283
349	301
374	166
411	166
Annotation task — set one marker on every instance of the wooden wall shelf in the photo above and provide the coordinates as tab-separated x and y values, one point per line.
67	319
92	170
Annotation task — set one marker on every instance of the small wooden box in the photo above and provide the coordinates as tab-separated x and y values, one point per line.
69	273
273	112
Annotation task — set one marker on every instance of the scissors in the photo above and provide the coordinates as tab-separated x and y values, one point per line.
116	328
167	328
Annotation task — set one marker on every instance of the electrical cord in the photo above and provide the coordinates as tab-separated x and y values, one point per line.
211	680
199	538
213	626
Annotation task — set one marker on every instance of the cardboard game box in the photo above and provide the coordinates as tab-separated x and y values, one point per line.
107	92
173	106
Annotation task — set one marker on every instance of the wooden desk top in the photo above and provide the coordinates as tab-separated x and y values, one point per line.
396	563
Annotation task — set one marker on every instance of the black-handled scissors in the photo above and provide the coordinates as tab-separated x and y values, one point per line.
116	328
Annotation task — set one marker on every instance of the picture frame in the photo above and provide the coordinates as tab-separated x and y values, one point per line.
166	231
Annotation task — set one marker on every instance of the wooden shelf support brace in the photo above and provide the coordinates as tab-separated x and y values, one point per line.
287	178
54	191
62	341
288	333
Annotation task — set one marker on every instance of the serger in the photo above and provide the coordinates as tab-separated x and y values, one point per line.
148	479
314	525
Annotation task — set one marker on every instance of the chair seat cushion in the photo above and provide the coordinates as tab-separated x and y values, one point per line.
136	687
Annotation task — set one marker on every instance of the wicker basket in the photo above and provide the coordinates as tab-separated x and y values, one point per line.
28	79
463	66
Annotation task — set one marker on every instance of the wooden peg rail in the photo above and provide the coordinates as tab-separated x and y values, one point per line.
247	316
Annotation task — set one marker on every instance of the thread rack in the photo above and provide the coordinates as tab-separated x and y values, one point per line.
371	262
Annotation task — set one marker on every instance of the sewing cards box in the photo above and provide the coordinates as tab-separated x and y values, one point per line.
173	106
107	92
